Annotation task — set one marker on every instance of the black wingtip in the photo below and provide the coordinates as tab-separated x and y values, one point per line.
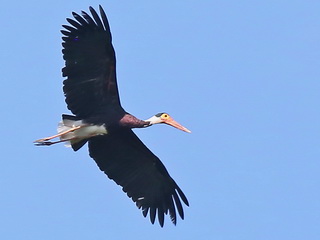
152	214
74	23
101	8
104	20
79	18
145	212
161	217
96	17
182	196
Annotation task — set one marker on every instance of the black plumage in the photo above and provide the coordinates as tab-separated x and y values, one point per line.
126	160
91	94
90	66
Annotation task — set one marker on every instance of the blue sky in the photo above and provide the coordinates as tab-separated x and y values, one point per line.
242	75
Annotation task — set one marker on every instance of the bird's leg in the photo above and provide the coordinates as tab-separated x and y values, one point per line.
49	143
43	140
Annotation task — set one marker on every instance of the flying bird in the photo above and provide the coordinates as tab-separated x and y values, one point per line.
91	94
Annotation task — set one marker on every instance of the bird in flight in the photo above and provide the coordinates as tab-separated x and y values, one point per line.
91	94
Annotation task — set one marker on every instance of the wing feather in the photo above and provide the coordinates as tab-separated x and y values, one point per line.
79	19
90	66
96	17
88	19
126	160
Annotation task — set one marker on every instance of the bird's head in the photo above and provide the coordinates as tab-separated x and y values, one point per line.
167	119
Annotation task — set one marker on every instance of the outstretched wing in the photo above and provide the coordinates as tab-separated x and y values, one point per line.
126	160
90	65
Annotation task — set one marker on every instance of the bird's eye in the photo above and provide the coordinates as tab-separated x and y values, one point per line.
165	116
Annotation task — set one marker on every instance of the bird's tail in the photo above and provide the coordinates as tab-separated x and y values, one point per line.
73	131
71	138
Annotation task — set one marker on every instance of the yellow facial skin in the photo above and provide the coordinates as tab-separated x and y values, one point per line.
165	116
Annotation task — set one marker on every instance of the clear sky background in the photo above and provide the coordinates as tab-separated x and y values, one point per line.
242	75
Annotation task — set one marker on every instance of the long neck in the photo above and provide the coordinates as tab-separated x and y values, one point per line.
132	122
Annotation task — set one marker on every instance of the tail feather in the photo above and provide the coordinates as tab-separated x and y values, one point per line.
68	122
70	117
76	145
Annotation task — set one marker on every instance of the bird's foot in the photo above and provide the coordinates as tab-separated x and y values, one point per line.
42	143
